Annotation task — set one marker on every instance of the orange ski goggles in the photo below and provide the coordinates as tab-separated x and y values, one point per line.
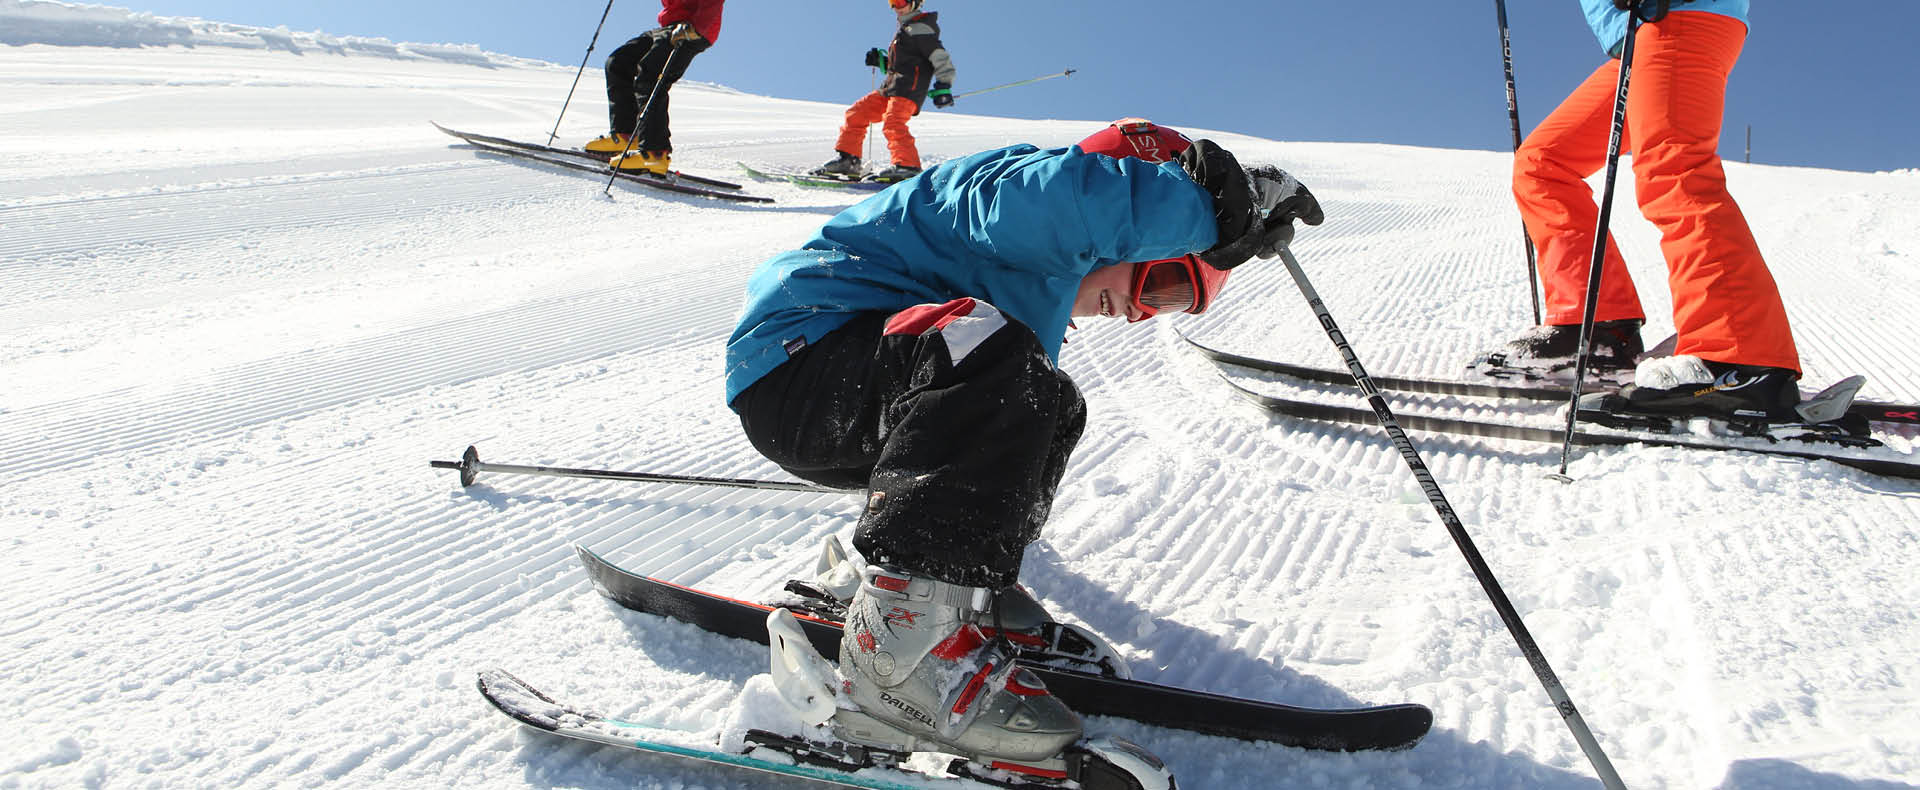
1186	284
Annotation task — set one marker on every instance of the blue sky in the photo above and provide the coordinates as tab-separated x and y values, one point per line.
1832	89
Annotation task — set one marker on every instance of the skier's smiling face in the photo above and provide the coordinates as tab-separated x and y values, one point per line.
1107	291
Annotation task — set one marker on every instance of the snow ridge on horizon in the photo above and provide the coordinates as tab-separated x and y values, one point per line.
54	23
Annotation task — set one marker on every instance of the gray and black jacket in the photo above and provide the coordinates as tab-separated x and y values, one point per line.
916	60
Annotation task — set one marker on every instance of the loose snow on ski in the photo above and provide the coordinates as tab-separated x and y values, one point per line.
247	292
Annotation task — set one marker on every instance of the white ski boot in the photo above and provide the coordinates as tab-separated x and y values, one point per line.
916	662
1036	636
983	700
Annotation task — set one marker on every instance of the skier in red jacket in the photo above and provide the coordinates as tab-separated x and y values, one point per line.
652	61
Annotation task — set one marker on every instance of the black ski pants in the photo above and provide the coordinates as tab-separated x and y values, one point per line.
952	417
633	71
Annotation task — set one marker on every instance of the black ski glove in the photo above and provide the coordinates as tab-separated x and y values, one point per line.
877	58
1649	10
1253	210
1283	199
942	94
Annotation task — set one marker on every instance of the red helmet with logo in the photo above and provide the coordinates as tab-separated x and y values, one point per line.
1184	283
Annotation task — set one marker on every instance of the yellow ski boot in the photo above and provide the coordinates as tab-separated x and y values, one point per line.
610	144
655	162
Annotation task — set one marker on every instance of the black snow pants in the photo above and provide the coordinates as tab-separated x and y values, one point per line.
951	416
632	72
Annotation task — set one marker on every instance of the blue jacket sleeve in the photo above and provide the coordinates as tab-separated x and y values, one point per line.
1065	212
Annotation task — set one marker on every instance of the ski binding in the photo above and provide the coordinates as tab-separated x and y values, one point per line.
1824	418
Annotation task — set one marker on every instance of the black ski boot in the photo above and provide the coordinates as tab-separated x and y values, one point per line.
894	174
1747	397
1615	345
846	167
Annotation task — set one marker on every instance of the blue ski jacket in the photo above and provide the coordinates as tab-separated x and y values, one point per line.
1610	24
1017	227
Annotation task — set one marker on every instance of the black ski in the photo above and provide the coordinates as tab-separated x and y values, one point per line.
1312	410
1897	413
590	156
1385	727
663	183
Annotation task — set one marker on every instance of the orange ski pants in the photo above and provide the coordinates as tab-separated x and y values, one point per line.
892	113
1726	307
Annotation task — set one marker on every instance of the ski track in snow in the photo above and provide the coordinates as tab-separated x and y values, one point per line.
233	338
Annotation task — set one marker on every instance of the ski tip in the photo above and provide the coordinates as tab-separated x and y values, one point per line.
591	558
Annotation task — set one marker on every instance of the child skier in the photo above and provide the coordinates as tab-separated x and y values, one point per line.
909	349
917	68
652	61
1736	355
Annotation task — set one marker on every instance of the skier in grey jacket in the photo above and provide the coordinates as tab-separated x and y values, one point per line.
918	68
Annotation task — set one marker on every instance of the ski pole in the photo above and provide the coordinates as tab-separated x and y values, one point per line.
1513	119
1067	73
555	134
1594	266
471	466
866	132
659	84
1528	647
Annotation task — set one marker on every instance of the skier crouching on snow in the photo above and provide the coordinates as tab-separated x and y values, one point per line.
917	68
1735	350
909	349
654	59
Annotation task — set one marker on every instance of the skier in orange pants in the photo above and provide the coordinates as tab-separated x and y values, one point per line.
1735	353
918	69
892	113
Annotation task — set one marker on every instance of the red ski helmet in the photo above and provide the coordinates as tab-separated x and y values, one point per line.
1138	138
1185	283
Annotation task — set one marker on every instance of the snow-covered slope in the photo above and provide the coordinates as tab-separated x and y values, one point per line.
246	295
